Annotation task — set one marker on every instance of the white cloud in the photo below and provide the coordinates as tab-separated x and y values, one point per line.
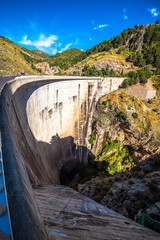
59	44
66	47
41	42
76	42
153	12
25	41
90	39
125	17
54	51
101	26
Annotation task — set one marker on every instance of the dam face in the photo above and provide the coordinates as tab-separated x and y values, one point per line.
51	121
45	126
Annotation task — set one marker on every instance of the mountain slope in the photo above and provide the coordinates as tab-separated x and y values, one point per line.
40	53
100	60
67	58
15	59
134	48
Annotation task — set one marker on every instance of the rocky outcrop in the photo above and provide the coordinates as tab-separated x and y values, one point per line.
116	65
136	39
46	69
129	194
128	120
56	69
126	139
113	64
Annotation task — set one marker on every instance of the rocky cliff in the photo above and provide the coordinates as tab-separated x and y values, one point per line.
125	140
128	120
46	69
130	193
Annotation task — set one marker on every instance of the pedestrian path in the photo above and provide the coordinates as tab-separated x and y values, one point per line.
5	230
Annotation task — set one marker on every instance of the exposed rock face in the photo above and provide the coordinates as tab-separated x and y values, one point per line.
138	41
154	211
135	41
112	64
56	69
45	68
126	119
130	122
139	192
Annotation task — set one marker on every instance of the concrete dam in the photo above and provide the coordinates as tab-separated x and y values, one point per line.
45	124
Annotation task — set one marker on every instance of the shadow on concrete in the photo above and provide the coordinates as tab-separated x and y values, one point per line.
64	155
27	161
43	161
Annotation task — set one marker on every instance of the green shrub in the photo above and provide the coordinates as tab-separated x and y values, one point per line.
107	101
122	95
110	145
101	188
136	168
104	114
157	86
119	51
157	110
118	158
152	185
91	140
135	115
39	70
121	116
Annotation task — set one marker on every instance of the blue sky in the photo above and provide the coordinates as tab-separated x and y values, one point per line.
55	26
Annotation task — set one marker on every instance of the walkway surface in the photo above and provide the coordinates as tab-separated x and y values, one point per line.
5	231
70	215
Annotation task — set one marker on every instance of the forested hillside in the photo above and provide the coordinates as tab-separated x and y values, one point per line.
143	41
134	54
66	59
135	49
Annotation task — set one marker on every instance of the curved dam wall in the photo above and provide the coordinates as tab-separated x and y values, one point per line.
45	124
